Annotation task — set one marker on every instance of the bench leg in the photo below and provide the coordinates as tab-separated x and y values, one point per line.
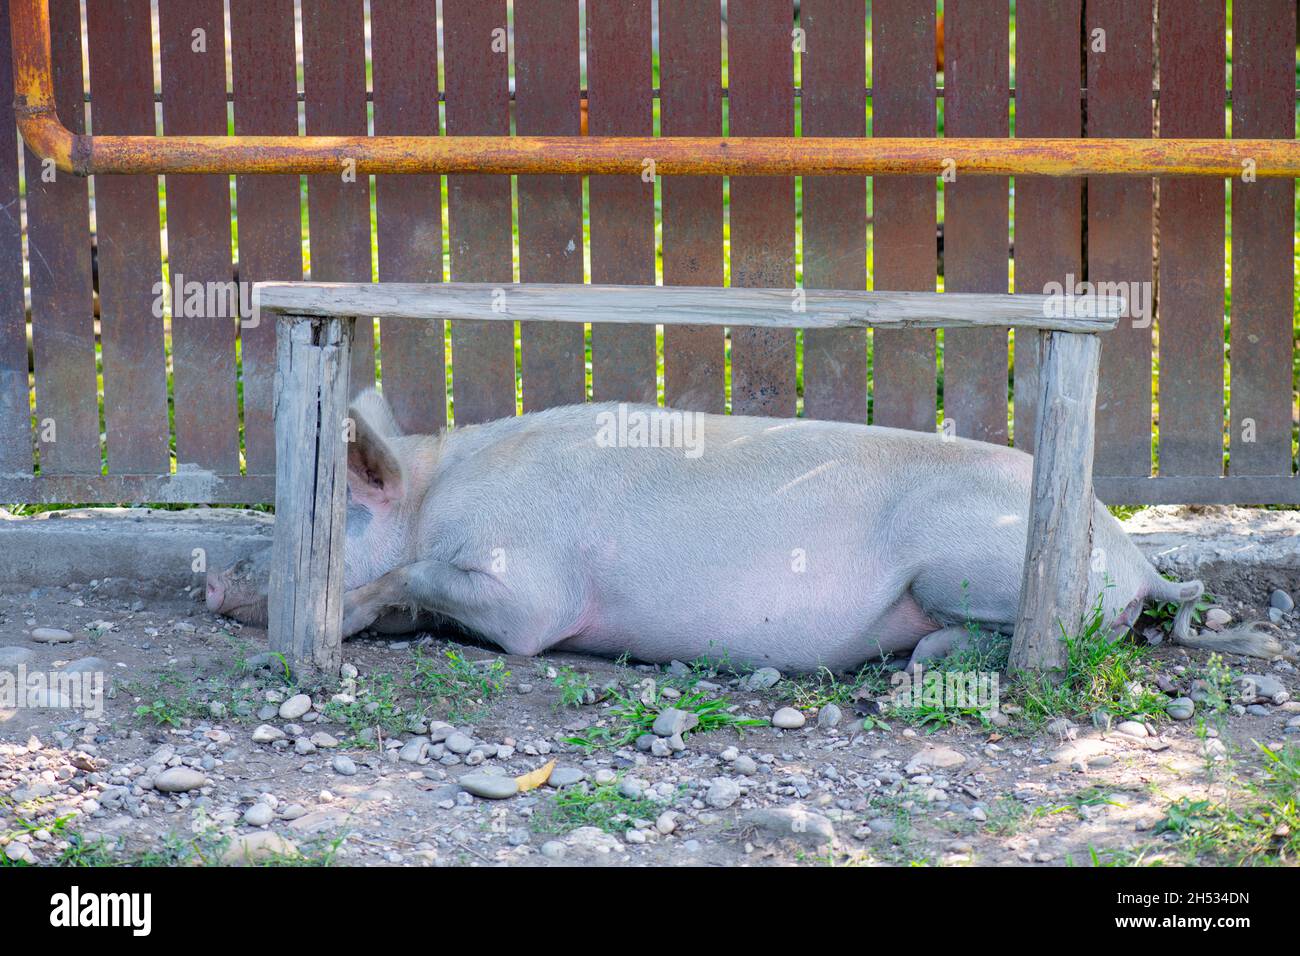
311	405
1054	585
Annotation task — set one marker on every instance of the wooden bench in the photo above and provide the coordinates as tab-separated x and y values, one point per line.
315	331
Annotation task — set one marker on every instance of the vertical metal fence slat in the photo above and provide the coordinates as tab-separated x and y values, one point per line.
476	62
690	70
263	55
205	407
58	252
1263	341
1048	243
619	83
1193	73
976	77
15	412
760	70
127	239
904	247
338	206
408	213
834	207
1119	229
548	102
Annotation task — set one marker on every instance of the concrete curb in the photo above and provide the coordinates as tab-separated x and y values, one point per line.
1209	540
155	549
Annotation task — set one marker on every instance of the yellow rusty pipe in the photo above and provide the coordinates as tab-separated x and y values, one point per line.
686	156
48	138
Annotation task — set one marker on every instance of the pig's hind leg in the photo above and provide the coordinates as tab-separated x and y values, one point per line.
477	600
939	644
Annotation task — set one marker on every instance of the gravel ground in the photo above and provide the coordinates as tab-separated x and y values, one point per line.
204	753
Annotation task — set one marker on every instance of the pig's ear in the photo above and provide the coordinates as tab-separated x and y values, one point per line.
374	473
376	410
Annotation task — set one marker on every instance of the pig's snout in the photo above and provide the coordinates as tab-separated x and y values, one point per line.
216	592
240	590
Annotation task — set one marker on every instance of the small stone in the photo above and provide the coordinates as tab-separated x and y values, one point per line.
1061	727
344	766
303	747
413	751
565	777
179	780
666	822
723	792
801	825
490	786
259	815
323	740
266	734
1282	601
86	665
51	635
829	716
554	850
459	743
761	679
295	707
745	765
933	758
787	718
19	853
257	848
672	721
1181	708
881	826
635	836
1216	619
1131	728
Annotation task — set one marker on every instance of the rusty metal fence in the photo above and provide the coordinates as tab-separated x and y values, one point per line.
129	392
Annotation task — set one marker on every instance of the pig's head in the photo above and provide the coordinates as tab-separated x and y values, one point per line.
239	591
383	467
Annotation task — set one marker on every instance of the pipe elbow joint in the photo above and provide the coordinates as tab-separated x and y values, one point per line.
48	139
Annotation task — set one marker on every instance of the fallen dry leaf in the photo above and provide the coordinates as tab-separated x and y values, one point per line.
531	781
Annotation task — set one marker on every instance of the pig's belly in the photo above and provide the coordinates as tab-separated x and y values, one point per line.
830	621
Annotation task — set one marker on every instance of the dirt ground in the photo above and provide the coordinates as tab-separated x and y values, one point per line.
187	694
